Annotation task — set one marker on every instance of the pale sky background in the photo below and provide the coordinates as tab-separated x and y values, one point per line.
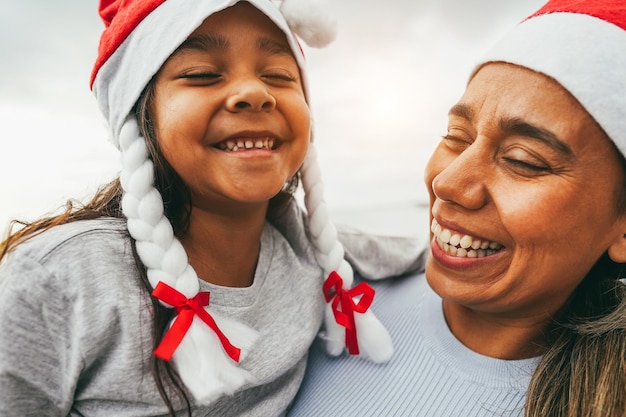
380	95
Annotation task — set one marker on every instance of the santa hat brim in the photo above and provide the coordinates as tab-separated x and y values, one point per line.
585	54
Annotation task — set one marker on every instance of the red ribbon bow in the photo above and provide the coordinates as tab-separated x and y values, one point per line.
344	316
186	309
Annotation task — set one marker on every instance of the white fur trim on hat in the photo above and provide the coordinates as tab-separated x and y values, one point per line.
585	54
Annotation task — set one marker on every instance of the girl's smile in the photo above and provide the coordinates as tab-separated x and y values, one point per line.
248	142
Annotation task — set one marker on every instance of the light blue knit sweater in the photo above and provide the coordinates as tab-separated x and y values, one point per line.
431	373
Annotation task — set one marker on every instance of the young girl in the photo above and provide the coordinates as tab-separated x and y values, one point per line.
207	102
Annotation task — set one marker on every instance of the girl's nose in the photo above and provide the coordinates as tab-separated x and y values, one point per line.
464	180
250	95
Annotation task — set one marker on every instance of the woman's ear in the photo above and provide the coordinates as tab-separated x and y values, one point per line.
617	250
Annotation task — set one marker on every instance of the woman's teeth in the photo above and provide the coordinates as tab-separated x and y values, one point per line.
244	144
462	246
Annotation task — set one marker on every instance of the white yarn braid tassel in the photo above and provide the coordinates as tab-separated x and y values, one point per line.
200	358
373	339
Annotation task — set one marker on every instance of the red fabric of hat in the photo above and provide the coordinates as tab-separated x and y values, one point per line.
612	11
120	18
582	45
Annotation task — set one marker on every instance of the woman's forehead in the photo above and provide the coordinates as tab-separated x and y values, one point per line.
503	95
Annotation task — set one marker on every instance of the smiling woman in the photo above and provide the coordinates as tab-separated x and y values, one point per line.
522	309
489	181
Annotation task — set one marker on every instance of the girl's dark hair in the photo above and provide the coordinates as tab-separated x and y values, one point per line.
177	207
107	202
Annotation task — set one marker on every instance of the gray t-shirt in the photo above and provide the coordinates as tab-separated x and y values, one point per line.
76	323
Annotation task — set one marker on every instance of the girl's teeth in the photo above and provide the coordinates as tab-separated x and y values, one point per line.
236	145
462	246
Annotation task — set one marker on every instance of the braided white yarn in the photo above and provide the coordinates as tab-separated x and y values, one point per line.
200	359
373	339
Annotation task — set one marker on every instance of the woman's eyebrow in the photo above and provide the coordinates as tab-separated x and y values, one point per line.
461	110
522	128
518	127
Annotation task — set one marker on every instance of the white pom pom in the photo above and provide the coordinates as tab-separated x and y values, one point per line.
311	21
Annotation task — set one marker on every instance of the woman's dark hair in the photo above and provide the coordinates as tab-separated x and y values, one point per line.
107	202
582	372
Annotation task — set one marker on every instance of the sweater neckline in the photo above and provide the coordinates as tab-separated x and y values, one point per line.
468	364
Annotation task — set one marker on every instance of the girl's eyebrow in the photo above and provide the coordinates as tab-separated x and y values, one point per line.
204	42
216	42
273	46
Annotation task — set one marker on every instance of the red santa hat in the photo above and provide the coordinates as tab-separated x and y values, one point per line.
139	37
582	45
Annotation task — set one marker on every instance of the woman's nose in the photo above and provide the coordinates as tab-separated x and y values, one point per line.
250	95
464	180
